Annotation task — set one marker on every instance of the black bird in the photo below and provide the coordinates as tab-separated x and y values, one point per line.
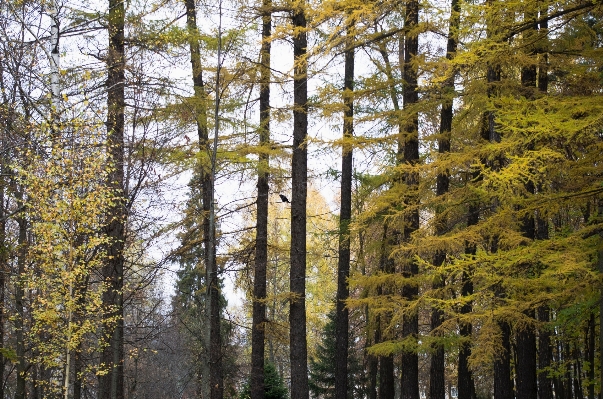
284	199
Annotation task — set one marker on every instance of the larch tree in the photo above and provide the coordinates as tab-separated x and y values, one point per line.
345	216
410	156
258	335
299	180
437	383
111	381
200	110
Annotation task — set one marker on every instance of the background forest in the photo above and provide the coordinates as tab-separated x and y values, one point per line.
293	198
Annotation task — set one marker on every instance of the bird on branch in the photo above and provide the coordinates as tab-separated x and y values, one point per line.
284	199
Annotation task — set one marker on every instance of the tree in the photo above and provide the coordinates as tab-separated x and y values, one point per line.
324	365
299	177
345	216
258	337
111	382
274	386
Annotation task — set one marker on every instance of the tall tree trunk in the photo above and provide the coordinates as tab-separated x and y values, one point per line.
4	270
299	175
600	267
544	355
111	385
21	366
465	383
410	139
545	388
590	332
200	110
526	368
503	384
216	376
437	382
386	362
373	367
261	245
526	362
386	377
345	215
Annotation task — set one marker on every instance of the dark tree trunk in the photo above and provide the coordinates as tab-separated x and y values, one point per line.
503	384
544	355
343	265
591	356
386	377
437	383
299	176
578	394
410	140
3	270
111	385
466	386
21	366
386	363
526	363
526	368
465	383
258	334
200	110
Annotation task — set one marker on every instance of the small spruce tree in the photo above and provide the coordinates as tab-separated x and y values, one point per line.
274	386
322	366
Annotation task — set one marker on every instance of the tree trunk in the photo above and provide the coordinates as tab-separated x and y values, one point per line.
465	384
258	334
503	384
600	267
200	109
4	270
343	265
299	175
21	366
544	355
111	385
437	383
386	363
526	363
591	356
216	376
410	139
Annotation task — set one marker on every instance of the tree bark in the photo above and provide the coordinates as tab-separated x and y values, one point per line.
4	270
600	267
437	383
21	365
503	384
258	334
200	110
410	139
345	215
386	362
299	175
111	385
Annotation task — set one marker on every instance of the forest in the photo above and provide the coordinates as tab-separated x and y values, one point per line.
294	199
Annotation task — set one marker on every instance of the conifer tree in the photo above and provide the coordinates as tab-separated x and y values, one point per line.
111	384
437	367
410	156
299	176
258	336
345	215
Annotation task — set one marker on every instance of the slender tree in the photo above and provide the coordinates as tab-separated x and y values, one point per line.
258	335
437	386
410	156
345	215
299	176
111	384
